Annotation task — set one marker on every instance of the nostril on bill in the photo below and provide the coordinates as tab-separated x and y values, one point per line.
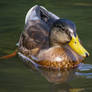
86	54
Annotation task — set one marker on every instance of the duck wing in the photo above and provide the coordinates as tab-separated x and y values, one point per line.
40	13
35	36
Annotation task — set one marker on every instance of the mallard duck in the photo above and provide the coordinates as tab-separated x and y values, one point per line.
50	41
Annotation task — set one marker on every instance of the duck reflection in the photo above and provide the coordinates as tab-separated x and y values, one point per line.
52	75
58	78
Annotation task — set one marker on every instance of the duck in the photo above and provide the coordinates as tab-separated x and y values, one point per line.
50	41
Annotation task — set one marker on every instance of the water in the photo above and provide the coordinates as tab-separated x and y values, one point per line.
14	75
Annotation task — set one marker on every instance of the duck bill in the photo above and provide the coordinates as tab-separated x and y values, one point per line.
77	47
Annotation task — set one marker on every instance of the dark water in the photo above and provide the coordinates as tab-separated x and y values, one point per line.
14	75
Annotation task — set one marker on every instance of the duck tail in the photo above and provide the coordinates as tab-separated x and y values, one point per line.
10	55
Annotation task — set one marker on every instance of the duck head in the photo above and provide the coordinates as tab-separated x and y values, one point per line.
64	32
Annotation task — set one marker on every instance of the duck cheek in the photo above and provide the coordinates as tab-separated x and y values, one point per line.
63	38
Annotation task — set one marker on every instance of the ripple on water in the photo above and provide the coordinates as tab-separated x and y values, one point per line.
85	70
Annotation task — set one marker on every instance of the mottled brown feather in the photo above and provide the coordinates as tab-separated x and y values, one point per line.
36	36
34	41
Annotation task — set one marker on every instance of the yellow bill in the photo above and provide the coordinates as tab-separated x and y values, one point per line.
77	47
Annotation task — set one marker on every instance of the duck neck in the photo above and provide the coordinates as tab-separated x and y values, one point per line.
72	54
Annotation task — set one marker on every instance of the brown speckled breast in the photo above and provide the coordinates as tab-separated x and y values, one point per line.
57	58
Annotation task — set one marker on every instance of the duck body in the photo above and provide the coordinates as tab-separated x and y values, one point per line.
37	43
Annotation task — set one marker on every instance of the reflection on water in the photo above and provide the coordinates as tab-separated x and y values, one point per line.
58	78
53	76
65	88
14	77
85	67
85	71
86	75
66	75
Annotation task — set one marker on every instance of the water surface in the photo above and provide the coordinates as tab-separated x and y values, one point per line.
14	75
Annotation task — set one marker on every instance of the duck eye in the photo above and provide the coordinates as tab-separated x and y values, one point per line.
67	31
